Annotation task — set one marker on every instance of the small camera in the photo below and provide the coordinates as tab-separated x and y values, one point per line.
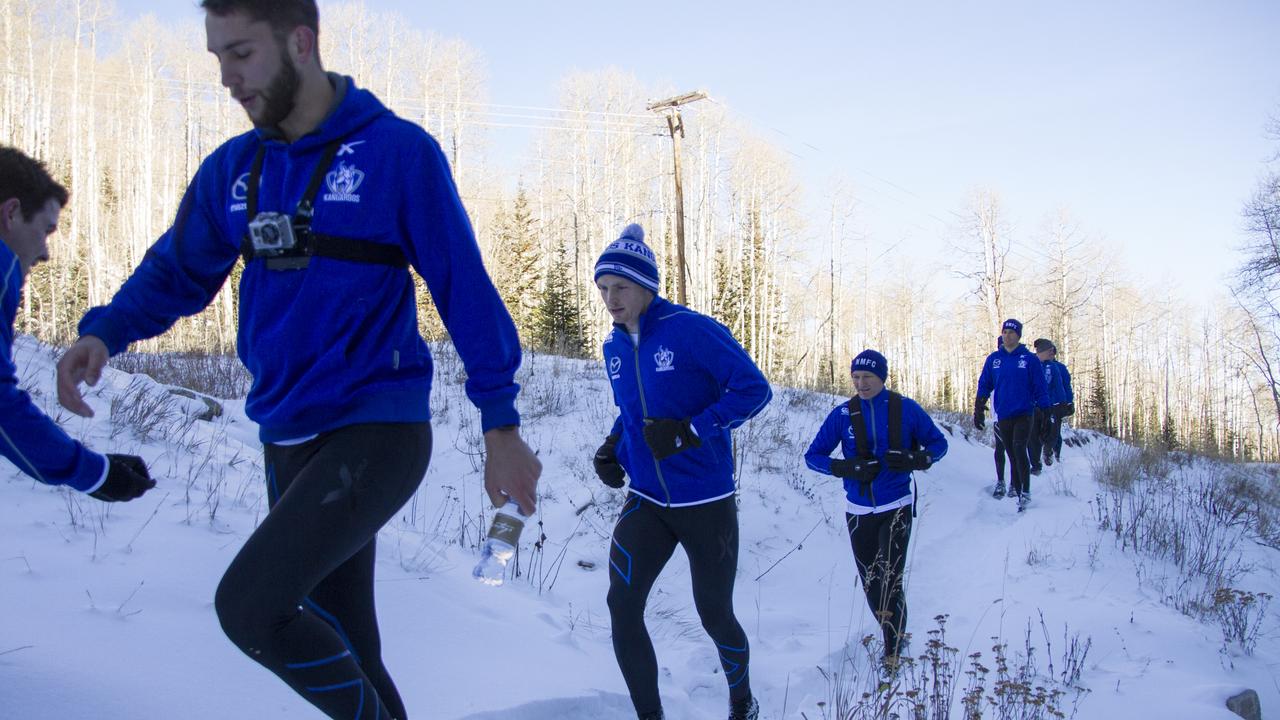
272	234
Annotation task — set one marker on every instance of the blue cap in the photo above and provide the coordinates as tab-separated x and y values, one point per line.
872	362
1013	325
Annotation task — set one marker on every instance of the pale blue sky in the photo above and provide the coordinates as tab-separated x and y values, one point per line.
1146	119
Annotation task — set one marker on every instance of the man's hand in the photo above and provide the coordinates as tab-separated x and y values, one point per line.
980	414
127	479
864	469
511	470
82	362
668	436
908	460
608	469
1047	420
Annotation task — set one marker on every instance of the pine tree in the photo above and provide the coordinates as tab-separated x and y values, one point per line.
1209	436
1098	412
726	303
946	393
516	275
557	320
1169	432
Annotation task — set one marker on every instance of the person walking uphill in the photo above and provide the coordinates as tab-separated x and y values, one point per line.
1016	377
1062	398
30	204
330	200
681	384
884	438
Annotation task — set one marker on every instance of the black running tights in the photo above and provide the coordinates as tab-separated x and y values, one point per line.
298	598
880	551
1014	433
643	541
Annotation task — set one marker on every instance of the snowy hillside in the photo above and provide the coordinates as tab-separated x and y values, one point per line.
108	609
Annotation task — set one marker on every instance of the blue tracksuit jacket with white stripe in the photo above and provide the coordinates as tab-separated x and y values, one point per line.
1018	381
686	365
889	489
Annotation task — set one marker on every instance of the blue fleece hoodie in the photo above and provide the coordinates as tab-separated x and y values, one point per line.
890	489
1059	382
686	365
29	438
1018	381
335	343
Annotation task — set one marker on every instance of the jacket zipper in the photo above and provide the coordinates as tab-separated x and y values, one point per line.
644	408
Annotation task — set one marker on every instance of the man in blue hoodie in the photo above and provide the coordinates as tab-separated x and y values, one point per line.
1016	377
1062	398
884	437
30	204
681	384
330	201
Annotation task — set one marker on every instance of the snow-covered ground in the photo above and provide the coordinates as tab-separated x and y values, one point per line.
108	609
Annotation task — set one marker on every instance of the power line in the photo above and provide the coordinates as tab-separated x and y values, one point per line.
598	122
119	80
1018	250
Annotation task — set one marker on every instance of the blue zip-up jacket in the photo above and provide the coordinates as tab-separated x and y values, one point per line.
686	365
889	488
335	343
1018	381
28	438
1059	382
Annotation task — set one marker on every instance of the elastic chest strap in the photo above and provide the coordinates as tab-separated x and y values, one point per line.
895	421
310	243
862	439
859	438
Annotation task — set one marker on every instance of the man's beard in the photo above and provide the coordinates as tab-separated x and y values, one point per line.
278	99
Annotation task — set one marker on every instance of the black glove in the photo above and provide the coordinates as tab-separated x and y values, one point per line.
127	478
608	469
861	469
908	460
1068	409
1050	420
980	414
668	436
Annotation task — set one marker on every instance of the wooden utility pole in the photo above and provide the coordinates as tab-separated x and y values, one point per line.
675	124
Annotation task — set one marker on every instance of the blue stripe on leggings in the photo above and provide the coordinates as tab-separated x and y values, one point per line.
625	574
626	512
337	626
337	686
726	663
317	663
340	686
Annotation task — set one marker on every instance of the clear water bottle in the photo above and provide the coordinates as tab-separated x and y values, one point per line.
500	545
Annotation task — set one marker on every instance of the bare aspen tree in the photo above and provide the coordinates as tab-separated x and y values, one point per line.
987	238
1072	273
841	208
1256	288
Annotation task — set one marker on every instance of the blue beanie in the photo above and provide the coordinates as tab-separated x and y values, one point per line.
1013	325
872	362
630	258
